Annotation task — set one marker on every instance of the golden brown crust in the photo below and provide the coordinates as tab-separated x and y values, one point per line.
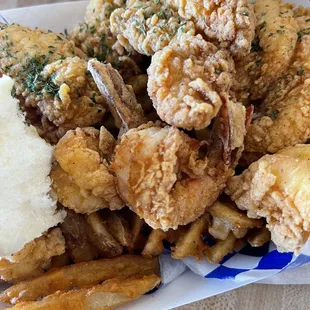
189	81
34	258
275	188
231	23
148	26
84	177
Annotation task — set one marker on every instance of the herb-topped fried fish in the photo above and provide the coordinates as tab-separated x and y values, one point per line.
50	75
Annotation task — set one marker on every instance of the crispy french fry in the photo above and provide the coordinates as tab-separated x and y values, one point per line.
118	227
219	229
217	252
235	217
138	239
60	261
80	275
154	245
110	294
101	237
258	237
191	243
74	229
239	232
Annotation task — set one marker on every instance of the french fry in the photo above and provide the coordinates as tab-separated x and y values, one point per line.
227	213
110	294
138	240
154	245
191	243
219	229
74	229
60	261
101	237
217	252
118	227
239	232
80	275
258	237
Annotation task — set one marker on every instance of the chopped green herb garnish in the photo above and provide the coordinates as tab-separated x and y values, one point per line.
59	38
245	13
263	25
280	31
255	47
258	62
218	70
300	71
275	114
92	29
308	20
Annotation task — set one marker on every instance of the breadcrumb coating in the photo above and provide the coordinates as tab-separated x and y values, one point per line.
84	182
188	82
276	188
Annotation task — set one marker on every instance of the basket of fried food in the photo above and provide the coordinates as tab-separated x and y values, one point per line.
176	128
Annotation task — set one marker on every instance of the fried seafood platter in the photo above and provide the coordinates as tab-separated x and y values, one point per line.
152	126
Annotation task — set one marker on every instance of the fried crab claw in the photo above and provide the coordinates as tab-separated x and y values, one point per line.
119	96
167	178
189	81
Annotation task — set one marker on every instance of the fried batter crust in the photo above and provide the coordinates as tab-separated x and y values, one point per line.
34	258
84	176
229	22
148	26
276	188
188	82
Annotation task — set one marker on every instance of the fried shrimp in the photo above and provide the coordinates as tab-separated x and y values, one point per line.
161	177
83	181
231	23
34	258
272	50
189	81
119	96
276	187
147	26
286	109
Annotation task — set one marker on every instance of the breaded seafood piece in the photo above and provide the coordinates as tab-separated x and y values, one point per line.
120	97
189	81
286	109
163	177
231	23
147	26
276	187
78	103
272	50
93	36
50	74
34	258
83	181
